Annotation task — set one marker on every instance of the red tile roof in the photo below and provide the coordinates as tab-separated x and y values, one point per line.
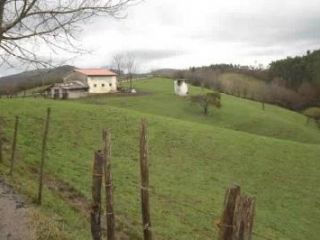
96	72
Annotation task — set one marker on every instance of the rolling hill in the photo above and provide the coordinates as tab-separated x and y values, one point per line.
272	154
30	79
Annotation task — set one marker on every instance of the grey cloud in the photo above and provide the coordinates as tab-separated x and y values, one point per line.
264	30
155	54
265	52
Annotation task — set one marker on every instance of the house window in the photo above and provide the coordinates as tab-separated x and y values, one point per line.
102	85
94	85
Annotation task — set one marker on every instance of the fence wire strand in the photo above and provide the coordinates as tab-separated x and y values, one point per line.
6	120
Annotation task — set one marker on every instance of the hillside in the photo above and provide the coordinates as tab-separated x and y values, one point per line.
236	113
30	79
164	71
193	159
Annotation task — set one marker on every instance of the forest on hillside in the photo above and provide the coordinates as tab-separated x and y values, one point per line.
10	85
296	71
293	82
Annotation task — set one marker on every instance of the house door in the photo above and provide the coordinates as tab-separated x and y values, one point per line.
65	94
56	94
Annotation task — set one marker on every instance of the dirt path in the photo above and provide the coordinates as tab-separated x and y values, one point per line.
13	215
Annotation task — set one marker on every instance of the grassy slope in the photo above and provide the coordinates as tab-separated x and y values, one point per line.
191	164
238	114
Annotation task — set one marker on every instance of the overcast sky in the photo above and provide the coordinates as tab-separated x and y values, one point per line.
184	33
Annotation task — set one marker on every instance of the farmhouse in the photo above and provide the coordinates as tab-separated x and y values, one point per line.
81	82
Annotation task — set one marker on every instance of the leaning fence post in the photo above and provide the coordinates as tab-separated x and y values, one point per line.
226	221
108	184
243	218
1	147
144	171
96	196
14	145
43	155
1	144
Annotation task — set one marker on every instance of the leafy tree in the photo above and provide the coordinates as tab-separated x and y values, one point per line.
207	100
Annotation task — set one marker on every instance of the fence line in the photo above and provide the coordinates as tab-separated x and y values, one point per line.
239	214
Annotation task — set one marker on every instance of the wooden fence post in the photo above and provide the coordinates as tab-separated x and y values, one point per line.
237	218
96	196
1	148
43	155
108	184
14	145
243	218
144	172
226	222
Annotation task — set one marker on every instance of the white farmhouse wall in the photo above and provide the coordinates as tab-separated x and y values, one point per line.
77	94
102	84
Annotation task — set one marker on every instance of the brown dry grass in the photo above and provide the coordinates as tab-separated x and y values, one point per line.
46	228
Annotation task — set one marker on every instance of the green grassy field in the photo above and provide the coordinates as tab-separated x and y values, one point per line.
272	154
237	114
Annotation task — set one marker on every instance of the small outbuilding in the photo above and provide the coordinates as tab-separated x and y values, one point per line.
69	90
181	87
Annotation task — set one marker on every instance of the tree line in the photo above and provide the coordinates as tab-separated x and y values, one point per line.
295	71
293	82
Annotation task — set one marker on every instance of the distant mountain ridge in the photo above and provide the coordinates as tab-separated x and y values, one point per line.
30	79
164	71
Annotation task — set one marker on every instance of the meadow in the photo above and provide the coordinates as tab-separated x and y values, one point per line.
272	154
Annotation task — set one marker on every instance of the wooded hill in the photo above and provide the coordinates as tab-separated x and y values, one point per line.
18	82
292	82
295	71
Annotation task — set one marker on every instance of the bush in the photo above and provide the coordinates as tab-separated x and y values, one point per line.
209	99
312	112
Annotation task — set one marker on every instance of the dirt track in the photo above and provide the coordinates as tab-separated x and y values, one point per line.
13	215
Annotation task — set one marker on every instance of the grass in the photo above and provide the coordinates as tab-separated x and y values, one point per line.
192	160
237	114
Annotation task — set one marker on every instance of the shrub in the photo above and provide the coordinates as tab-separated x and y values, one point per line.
312	112
213	99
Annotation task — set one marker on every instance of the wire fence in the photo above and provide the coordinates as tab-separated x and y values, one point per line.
209	215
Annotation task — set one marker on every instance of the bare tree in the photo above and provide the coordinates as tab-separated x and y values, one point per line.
131	66
27	24
118	63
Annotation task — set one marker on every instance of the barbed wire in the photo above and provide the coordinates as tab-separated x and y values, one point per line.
162	197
